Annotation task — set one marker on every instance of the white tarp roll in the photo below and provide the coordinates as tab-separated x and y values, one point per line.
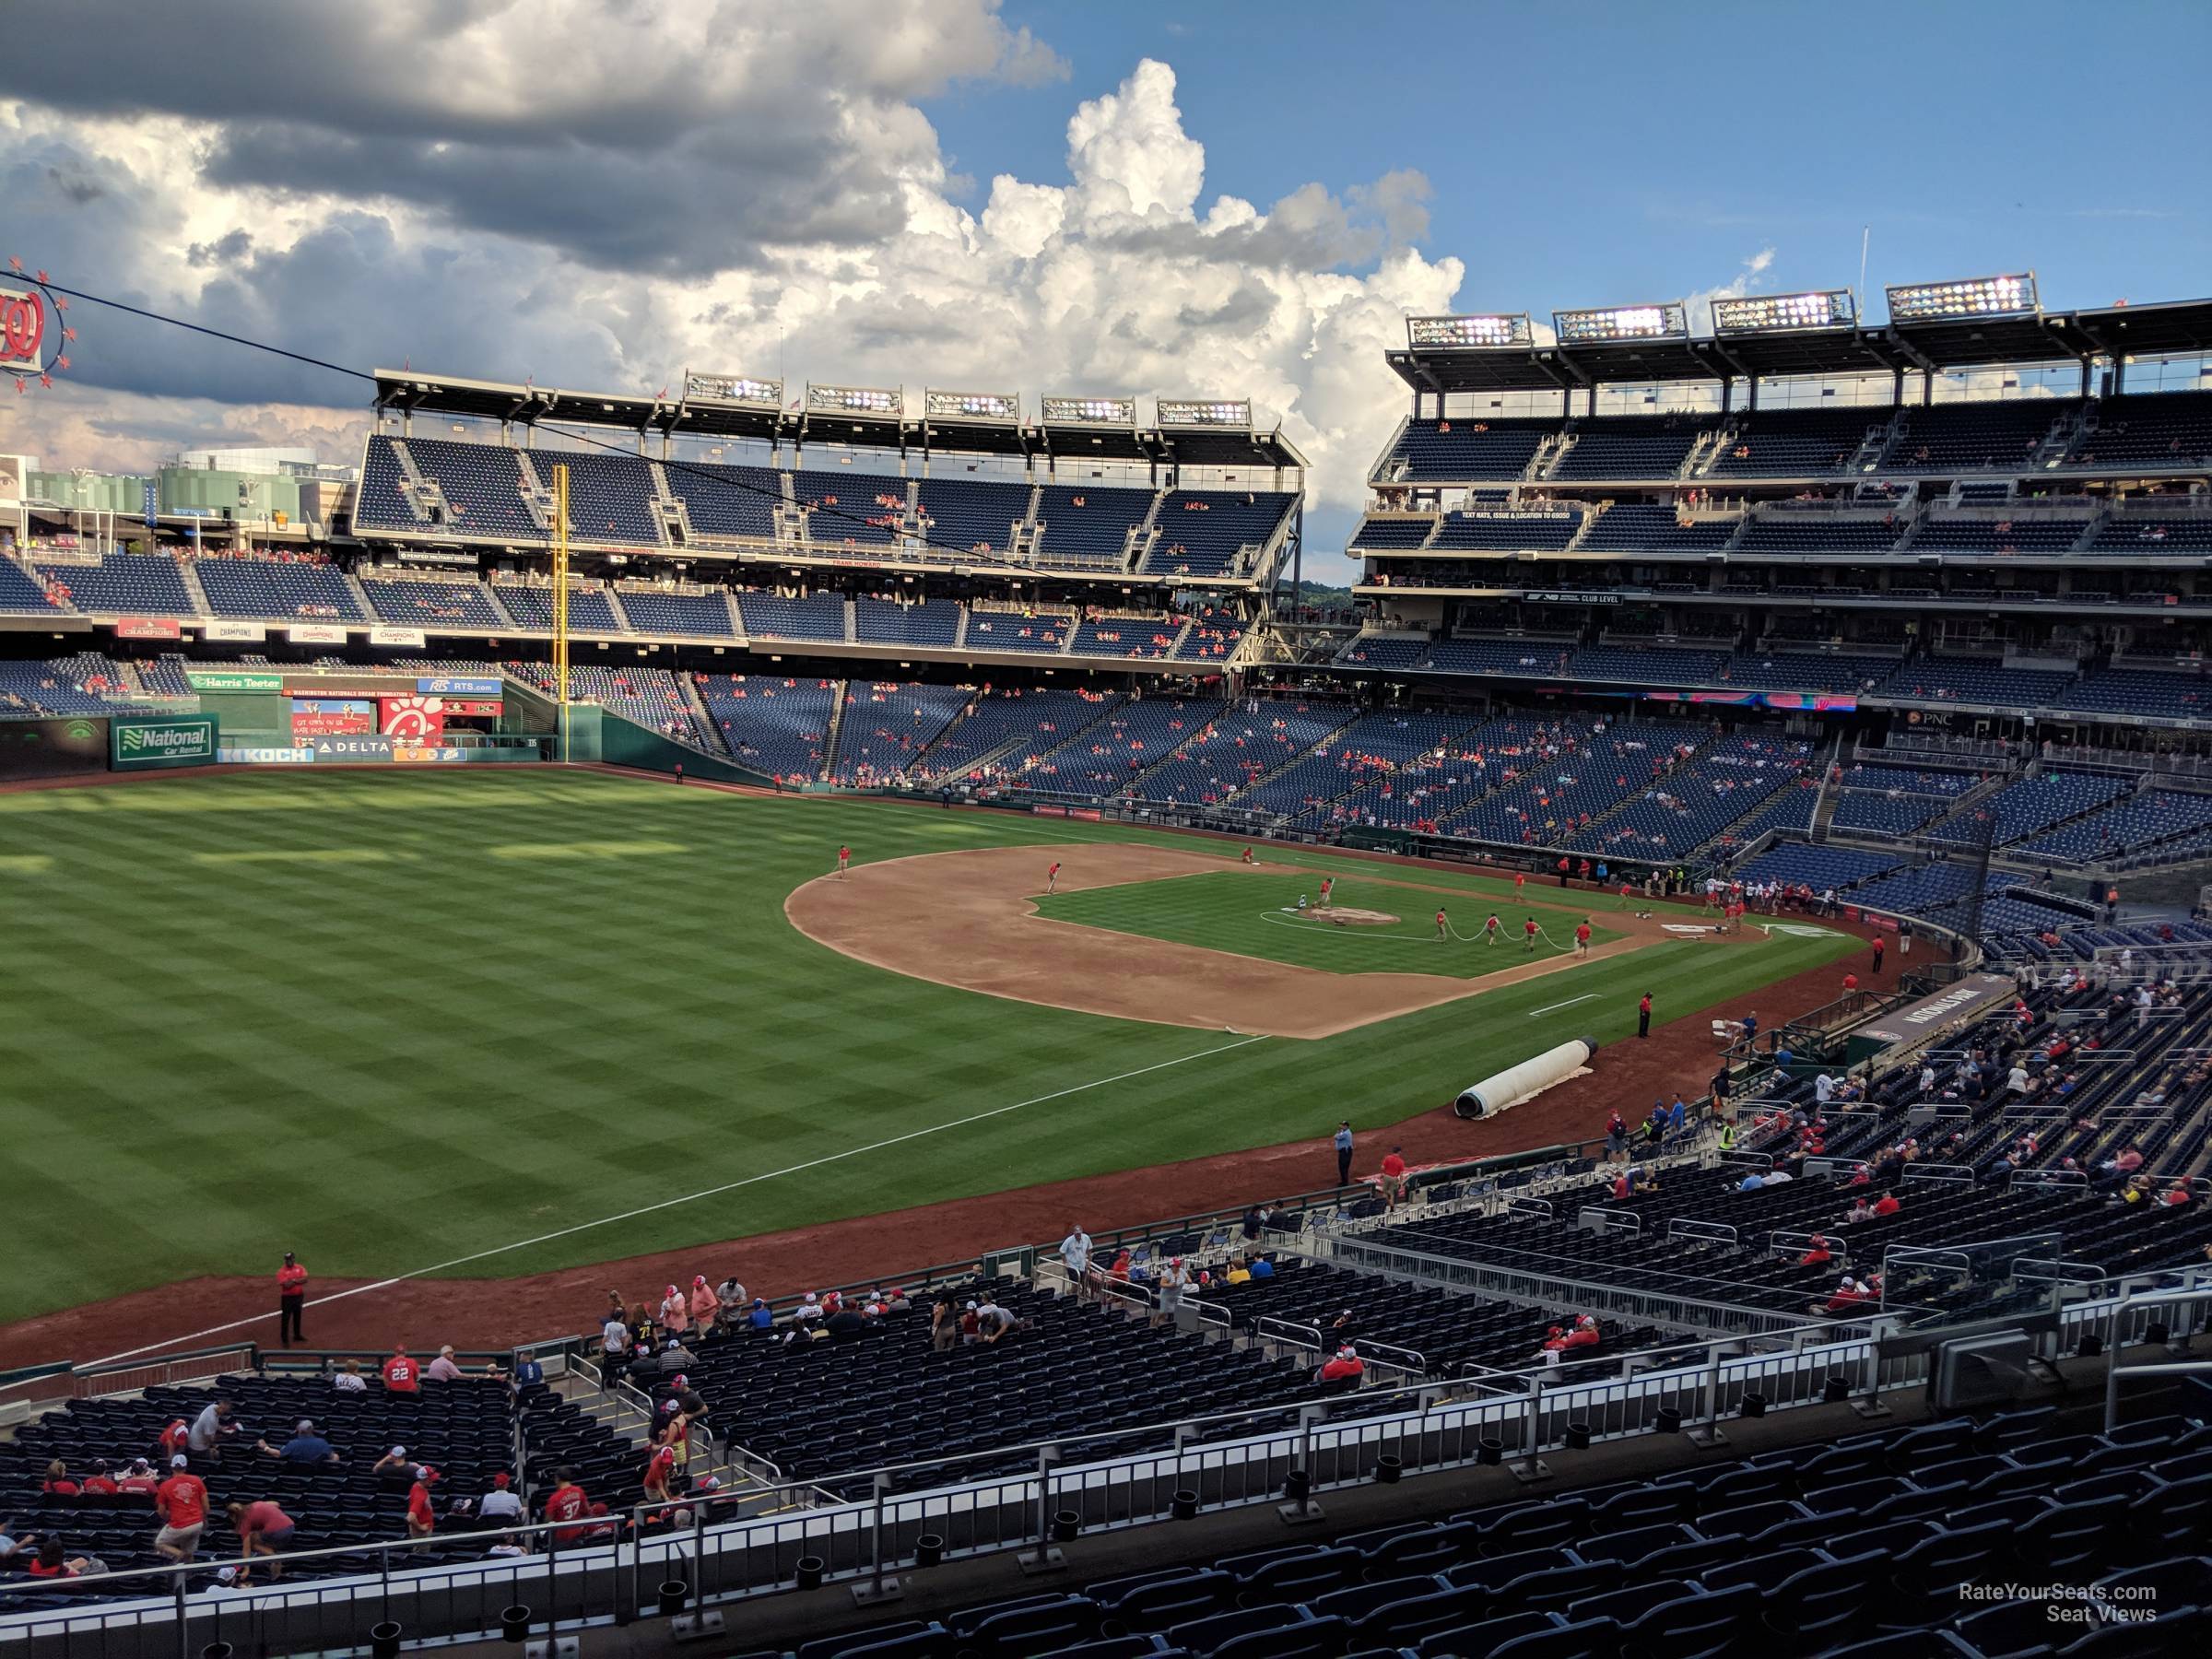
1522	1082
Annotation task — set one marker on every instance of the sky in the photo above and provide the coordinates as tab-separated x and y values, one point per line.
1229	199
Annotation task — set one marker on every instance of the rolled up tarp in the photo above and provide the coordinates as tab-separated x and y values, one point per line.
1522	1082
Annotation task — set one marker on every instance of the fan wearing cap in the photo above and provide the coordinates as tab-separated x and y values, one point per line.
675	1312
660	1469
422	1520
500	1504
1344	1366
99	1483
1174	1279
403	1377
306	1446
139	1480
181	1503
705	1304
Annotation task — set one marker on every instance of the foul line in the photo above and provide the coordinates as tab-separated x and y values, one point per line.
1554	1008
812	1163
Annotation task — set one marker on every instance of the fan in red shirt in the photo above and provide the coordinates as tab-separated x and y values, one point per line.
659	1469
173	1440
402	1375
181	1503
139	1479
99	1482
1886	1205
568	1502
291	1298
1346	1364
57	1483
1394	1177
422	1520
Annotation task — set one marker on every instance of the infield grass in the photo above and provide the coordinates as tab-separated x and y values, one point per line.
1256	913
390	1021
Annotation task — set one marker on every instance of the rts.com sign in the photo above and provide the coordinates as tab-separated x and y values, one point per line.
137	743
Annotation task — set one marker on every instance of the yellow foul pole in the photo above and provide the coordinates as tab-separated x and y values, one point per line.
561	605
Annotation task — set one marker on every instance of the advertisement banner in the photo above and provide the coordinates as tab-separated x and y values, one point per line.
417	754
233	679
367	749
412	717
455	707
316	633
461	687
267	757
396	636
332	717
437	556
62	746
139	742
149	628
242	632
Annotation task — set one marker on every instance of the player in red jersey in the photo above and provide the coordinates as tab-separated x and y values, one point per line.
844	860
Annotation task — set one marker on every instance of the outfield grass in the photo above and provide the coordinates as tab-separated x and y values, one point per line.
1255	913
393	1022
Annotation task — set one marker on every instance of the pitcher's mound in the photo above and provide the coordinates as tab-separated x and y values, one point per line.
1344	916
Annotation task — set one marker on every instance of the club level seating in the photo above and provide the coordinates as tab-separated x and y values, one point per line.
425	602
1979	437
810	616
662	611
888	724
1805	671
2148	537
1383	650
530	605
1144	638
1999	536
465	1429
123	584
268	587
1906	779
1087	525
1465	449
1637	526
1393	530
1728	778
1820	533
934	622
1202	531
1537	658
1213	637
723	500
1239	746
1108	755
1628	446
1917	891
482	484
165	677
1972	680
2021	809
1543	530
1795	443
1033	720
2128	826
610	497
1802	863
1649	665
1019	630
971	514
2146	692
1369	750
2152	430
780	726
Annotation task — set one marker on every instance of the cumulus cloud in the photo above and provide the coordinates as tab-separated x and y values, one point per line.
1747	279
457	183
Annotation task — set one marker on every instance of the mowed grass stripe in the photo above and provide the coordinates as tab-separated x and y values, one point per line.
397	1062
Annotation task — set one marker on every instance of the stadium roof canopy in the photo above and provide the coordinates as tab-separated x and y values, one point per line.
412	391
2173	328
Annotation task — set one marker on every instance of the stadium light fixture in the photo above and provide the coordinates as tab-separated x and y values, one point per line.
1500	328
1977	297
1206	412
972	406
1773	313
854	400
1667	322
1090	411
732	389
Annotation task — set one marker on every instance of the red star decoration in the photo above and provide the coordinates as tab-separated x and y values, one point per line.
21	388
15	262
69	335
46	381
59	303
42	279
61	362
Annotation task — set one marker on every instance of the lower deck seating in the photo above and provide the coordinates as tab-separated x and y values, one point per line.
778	725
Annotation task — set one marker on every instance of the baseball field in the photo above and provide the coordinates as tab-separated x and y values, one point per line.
503	1022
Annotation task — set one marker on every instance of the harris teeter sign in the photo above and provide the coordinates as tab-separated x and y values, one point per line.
137	743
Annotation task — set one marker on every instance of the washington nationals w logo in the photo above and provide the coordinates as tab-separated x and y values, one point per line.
25	325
